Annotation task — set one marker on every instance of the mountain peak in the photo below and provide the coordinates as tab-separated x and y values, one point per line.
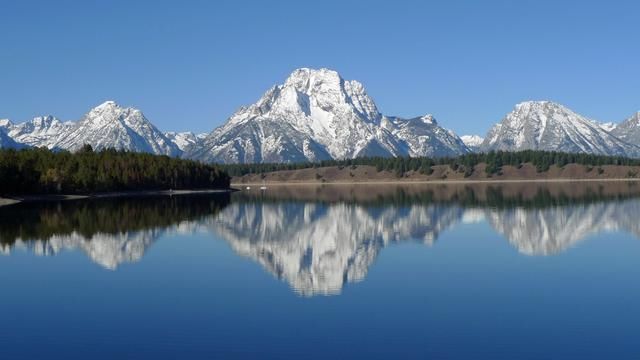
546	125
109	104
45	120
110	126
629	130
428	119
5	123
305	74
472	141
314	81
538	105
317	115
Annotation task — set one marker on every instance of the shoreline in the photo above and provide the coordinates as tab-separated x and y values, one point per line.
6	201
434	182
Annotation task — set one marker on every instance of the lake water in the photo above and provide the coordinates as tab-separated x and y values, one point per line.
513	271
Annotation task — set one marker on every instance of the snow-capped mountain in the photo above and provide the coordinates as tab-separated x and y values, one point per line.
629	130
317	115
112	126
608	126
544	125
5	124
184	140
40	131
473	142
422	136
105	126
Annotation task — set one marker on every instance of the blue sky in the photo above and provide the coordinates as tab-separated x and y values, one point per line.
190	64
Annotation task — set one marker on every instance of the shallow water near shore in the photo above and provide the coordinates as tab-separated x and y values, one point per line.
458	271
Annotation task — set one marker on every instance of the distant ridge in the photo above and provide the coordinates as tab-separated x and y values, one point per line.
317	115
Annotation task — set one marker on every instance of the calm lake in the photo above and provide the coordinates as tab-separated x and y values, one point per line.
511	271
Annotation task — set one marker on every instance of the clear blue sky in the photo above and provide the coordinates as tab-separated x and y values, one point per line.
190	64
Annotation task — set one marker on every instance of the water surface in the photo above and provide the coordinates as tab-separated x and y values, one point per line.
524	271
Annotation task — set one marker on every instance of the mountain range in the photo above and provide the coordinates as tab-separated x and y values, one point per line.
317	115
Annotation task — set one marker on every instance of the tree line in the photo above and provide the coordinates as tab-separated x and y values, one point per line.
466	163
41	171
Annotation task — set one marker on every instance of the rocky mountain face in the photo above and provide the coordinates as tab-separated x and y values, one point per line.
629	130
111	126
105	126
40	131
544	125
317	115
185	140
473	142
422	136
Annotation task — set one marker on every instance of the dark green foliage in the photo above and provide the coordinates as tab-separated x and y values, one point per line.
40	171
494	161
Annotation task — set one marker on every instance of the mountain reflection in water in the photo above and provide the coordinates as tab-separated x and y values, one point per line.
319	238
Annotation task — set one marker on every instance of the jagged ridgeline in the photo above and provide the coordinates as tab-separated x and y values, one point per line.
107	216
41	171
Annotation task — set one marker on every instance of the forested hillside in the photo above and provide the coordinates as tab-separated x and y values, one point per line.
494	161
41	171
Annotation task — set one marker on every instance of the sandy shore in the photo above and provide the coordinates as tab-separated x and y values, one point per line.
29	198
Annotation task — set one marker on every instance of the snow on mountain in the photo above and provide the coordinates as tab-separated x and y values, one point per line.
544	125
184	140
473	142
608	126
40	131
317	115
422	136
111	126
5	124
629	130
